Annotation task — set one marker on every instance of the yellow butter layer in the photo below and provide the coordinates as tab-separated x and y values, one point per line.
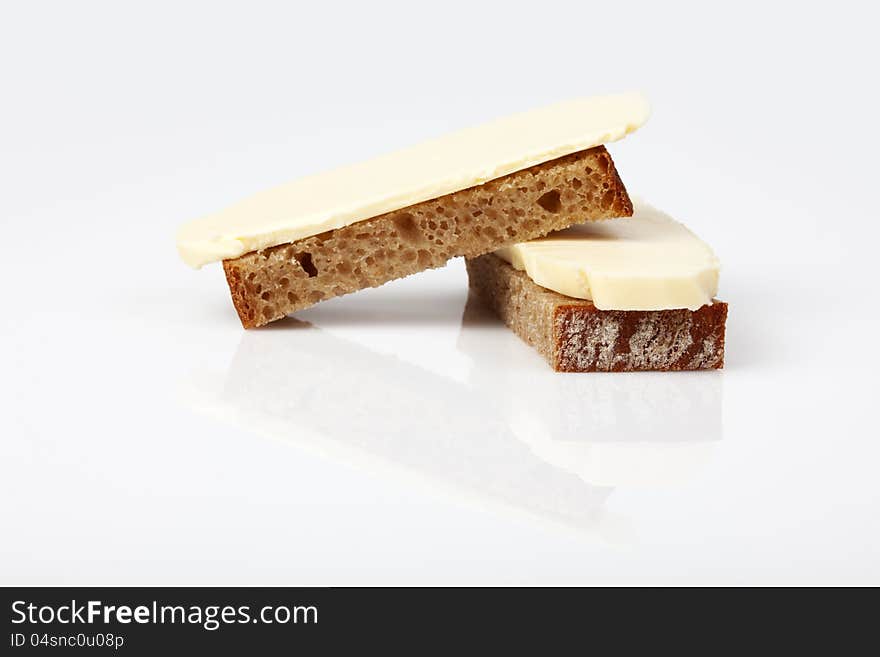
645	262
326	201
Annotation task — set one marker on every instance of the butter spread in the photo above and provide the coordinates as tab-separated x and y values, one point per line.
314	204
645	262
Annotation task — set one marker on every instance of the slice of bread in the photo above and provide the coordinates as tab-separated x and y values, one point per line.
575	336
269	284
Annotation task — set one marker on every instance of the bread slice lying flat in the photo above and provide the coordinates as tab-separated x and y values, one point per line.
575	336
269	284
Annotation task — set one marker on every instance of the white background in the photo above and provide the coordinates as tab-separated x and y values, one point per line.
399	437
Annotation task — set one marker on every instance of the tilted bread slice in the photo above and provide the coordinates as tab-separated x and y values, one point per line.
463	194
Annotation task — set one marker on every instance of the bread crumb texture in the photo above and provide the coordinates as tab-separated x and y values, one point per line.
270	284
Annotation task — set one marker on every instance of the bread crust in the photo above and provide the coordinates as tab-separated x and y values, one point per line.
270	284
575	336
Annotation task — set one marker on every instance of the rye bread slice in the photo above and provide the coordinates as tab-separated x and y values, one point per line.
575	336
270	284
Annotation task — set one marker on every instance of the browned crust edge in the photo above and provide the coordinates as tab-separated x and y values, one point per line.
575	336
270	284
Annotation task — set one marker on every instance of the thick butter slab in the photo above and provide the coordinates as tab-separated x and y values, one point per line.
330	200
645	262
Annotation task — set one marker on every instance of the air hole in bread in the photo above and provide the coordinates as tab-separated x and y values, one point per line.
305	261
407	229
550	201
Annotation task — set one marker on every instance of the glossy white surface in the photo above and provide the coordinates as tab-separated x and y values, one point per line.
400	436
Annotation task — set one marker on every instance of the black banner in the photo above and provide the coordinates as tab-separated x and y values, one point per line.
150	621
